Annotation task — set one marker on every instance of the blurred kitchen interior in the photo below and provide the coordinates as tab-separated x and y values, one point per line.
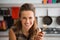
47	16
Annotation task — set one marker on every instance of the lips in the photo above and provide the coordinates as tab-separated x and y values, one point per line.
26	24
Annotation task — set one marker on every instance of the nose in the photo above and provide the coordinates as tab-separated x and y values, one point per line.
27	20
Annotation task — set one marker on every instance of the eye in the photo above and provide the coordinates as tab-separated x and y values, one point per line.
30	17
24	17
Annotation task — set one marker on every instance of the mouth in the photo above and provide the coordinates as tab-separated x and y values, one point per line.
26	24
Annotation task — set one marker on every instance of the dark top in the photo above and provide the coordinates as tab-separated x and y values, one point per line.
20	35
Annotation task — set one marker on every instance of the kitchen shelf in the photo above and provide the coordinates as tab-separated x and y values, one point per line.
52	35
4	33
56	5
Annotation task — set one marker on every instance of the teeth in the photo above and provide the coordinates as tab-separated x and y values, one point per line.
27	24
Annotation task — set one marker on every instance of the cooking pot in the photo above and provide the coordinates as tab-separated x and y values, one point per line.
58	20
47	19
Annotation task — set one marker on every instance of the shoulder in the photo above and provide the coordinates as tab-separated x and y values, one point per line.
12	35
11	30
15	30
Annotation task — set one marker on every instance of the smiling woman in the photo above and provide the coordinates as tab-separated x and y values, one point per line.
26	26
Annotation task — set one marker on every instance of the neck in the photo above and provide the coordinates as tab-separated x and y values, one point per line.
25	32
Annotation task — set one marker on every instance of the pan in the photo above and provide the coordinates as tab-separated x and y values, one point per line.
47	19
58	20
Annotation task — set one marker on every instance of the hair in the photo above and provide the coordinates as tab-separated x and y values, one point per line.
33	29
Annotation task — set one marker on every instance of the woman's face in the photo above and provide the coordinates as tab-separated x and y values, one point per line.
27	19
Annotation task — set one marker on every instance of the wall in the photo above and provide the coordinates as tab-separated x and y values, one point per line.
19	1
52	12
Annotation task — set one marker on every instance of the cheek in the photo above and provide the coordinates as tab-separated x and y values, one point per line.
32	22
22	21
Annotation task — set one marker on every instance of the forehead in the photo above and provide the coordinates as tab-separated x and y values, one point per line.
27	13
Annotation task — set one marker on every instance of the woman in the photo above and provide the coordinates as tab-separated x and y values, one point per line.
26	26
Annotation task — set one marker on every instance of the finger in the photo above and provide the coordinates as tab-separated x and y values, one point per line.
38	38
41	34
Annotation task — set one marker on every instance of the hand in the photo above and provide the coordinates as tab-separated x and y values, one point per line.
39	36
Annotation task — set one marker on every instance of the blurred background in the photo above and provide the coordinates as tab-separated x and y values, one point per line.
47	16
